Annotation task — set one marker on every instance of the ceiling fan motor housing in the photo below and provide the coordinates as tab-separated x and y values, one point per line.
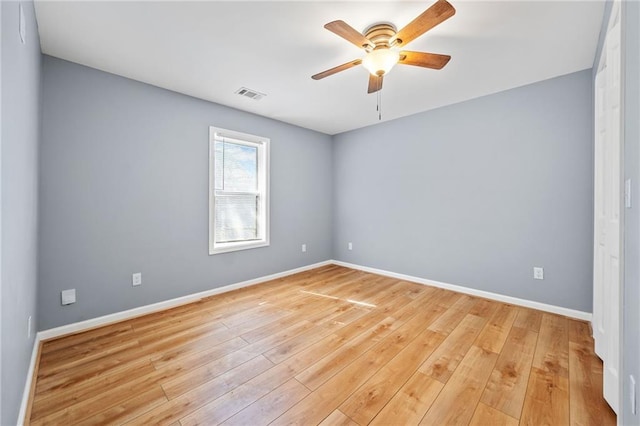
380	34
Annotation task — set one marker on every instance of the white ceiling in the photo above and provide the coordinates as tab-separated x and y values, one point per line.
210	49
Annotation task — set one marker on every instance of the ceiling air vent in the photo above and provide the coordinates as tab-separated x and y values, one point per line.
251	94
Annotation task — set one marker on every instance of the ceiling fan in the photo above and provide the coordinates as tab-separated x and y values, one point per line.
381	42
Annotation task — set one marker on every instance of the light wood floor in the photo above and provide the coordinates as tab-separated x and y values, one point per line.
331	346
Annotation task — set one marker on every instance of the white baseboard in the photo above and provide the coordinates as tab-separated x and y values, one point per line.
29	382
586	316
166	304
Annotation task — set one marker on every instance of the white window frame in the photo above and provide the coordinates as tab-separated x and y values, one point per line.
262	143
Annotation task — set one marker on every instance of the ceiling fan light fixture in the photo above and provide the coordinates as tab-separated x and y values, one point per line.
380	61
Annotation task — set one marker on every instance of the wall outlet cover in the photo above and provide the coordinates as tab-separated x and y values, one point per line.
68	296
538	273
136	279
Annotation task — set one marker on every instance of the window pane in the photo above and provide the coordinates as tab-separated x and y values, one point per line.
218	167
236	167
236	218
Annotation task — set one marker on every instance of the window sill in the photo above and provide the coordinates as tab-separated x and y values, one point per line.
229	247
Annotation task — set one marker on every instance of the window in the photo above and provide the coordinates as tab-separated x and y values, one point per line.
238	191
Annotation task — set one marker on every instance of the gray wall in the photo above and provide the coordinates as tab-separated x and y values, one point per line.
124	178
631	312
20	136
477	193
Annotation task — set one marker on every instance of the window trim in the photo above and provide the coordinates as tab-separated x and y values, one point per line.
262	143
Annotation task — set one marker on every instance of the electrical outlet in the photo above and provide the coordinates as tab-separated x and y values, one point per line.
29	327
136	279
350	246
538	273
68	296
304	248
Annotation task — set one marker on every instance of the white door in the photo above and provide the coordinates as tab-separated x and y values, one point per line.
607	199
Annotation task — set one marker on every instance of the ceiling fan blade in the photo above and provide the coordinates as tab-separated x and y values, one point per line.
337	69
348	33
423	59
439	12
375	83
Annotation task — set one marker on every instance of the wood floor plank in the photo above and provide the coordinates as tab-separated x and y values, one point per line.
411	402
77	358
457	401
444	360
181	324
286	349
184	347
552	351
270	406
494	334
547	400
363	405
585	388
371	350
529	319
107	399
270	328
337	418
104	366
364	290
86	349
263	313
129	409
192	359
65	397
177	408
330	394
385	291
197	325
312	300
485	416
165	316
266	382
484	308
182	384
507	384
447	298
330	365
233	402
114	332
327	367
280	337
580	332
403	307
448	321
